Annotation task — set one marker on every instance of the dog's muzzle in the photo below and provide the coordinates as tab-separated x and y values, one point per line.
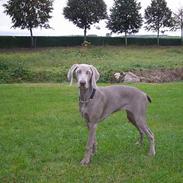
82	83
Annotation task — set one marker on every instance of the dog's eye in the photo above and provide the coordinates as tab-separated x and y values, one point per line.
79	71
87	72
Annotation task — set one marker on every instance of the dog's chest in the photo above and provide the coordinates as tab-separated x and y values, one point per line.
84	110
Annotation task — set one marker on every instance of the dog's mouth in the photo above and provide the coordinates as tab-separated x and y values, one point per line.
82	87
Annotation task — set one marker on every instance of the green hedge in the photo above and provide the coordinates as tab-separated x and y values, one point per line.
24	42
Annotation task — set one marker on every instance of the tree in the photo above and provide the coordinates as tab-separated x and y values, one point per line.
125	17
84	13
29	14
158	16
178	22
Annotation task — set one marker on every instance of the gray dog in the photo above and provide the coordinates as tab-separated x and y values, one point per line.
97	103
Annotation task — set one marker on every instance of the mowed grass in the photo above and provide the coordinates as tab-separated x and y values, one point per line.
104	58
42	137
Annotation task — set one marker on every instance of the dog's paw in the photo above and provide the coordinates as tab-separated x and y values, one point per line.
152	152
85	161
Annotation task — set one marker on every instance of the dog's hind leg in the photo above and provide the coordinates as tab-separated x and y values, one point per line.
141	123
131	119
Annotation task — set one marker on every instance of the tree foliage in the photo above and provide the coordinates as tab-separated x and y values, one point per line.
178	22
84	13
158	16
125	17
29	14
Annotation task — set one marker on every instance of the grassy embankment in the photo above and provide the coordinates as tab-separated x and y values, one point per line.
51	65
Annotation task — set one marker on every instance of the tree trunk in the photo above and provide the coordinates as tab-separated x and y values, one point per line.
32	38
182	33
181	26
126	41
158	38
85	29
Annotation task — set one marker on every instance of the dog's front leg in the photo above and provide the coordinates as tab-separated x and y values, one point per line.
91	141
95	142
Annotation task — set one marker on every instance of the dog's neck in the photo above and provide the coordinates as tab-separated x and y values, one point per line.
85	93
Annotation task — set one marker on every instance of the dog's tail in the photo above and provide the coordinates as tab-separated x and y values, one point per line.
149	99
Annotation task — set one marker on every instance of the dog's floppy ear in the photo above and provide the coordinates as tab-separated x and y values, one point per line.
95	76
70	73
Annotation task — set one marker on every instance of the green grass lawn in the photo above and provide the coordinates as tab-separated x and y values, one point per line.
42	137
52	64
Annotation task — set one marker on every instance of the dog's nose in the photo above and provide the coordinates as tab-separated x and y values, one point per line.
82	83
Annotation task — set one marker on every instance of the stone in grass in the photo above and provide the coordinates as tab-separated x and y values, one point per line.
127	77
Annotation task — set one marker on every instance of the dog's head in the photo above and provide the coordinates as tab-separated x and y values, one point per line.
86	75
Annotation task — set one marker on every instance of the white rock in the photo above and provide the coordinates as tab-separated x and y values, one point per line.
117	75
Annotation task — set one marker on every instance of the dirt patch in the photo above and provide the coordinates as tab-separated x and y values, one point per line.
157	75
160	75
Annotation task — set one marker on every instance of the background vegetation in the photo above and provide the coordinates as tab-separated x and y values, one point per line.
124	16
42	41
85	13
29	14
52	64
43	137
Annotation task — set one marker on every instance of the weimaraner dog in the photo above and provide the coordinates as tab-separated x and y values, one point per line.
97	103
